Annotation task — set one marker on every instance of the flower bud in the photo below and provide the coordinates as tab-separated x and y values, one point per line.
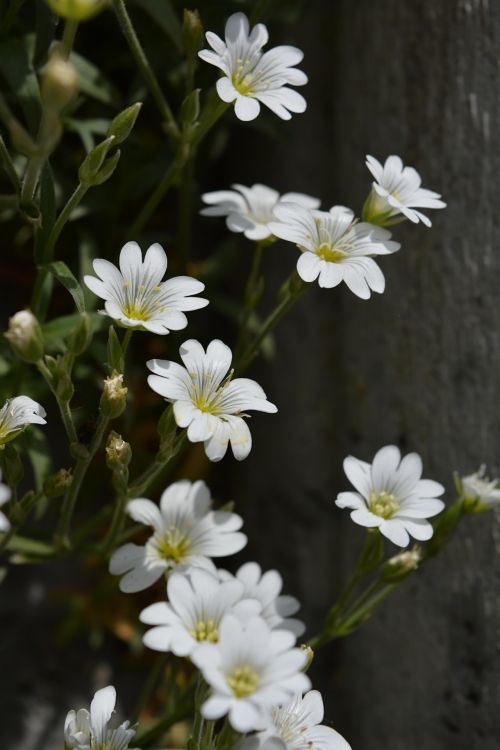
77	10
401	565
59	83
309	656
192	32
114	396
123	123
25	336
118	451
58	483
93	162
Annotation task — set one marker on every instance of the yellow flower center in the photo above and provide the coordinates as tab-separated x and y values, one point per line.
205	631
243	681
242	82
331	254
383	504
173	545
136	313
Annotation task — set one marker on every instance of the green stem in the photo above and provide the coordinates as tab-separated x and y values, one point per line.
68	37
64	407
157	196
126	340
145	68
161	462
81	468
251	300
210	115
289	299
9	166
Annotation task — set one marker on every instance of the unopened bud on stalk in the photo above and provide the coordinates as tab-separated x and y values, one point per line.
309	656
114	396
192	32
401	565
58	483
77	10
122	125
25	336
59	82
118	451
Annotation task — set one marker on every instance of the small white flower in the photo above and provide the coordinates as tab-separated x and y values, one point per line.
266	589
16	414
95	730
397	192
480	487
251	209
197	602
335	247
251	669
206	400
392	496
186	532
251	76
297	726
137	297
4	498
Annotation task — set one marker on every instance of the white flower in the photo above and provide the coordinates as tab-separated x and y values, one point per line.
251	76
297	726
480	487
250	209
206	400
16	414
186	532
392	496
251	669
335	247
137	297
4	497
397	192
95	730
197	601
266	588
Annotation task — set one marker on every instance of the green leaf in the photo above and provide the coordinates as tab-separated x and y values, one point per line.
163	13
16	67
62	273
92	82
115	352
59	329
37	448
48	211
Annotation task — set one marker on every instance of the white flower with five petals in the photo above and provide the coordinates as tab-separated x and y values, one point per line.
396	193
335	247
391	495
251	669
95	730
266	589
206	400
197	602
187	532
16	414
251	209
135	295
252	77
296	725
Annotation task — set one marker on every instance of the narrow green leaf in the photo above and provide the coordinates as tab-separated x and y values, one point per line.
62	273
47	210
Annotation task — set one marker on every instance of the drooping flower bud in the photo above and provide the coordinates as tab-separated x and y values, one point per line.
25	336
59	82
77	10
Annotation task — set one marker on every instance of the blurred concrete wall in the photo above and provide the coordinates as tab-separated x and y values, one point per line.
418	366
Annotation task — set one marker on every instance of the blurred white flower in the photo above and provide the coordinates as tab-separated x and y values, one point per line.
186	532
4	498
16	414
252	77
266	589
250	670
206	400
392	496
136	296
480	487
297	726
396	193
95	730
335	247
197	602
250	209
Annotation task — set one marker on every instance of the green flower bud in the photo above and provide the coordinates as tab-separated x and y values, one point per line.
25	336
123	123
107	169
401	565
59	83
77	10
58	483
94	160
192	32
114	396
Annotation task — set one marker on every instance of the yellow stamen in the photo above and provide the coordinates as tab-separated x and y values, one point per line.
243	681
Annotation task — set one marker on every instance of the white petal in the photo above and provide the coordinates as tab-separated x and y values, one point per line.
246	108
101	708
308	266
395	531
146	512
226	90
